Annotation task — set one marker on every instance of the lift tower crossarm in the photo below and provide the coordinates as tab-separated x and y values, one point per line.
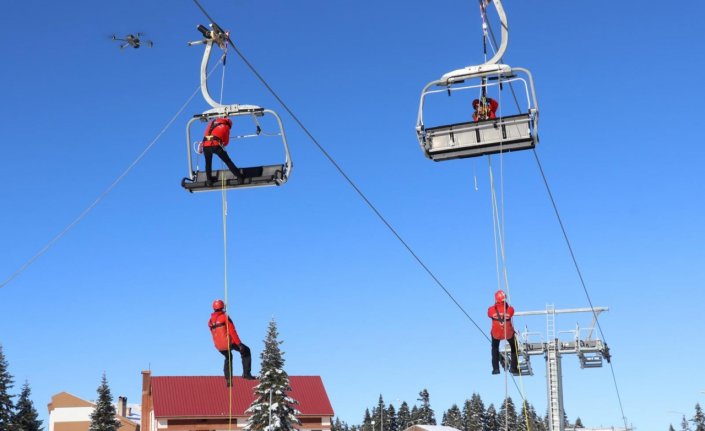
597	310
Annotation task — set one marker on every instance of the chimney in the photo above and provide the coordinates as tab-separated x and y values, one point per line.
122	406
146	401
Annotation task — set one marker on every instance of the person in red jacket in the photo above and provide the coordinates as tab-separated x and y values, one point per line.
215	140
501	314
226	339
486	110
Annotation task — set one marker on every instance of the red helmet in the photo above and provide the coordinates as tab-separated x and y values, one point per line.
218	305
499	296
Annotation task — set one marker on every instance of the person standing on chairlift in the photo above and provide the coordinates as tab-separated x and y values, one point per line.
502	329
226	340
215	140
486	110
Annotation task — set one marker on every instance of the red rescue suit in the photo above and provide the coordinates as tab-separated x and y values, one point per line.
501	314
223	330
488	111
218	133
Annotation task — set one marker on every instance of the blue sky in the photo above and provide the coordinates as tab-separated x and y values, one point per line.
130	286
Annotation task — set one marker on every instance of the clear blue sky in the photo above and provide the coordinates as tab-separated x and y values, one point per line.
130	287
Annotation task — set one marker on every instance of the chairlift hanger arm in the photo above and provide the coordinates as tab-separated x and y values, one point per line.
221	38
505	33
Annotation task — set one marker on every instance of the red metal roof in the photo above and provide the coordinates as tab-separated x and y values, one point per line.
208	396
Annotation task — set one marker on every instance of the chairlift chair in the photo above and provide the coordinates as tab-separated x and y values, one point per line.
256	176
476	138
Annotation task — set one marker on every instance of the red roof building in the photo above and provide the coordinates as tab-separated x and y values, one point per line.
205	403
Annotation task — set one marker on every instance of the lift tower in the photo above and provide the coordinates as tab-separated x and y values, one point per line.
580	341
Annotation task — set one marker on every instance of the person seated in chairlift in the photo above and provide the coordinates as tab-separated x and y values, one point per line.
484	110
215	140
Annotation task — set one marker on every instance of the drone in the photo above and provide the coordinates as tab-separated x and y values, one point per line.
133	40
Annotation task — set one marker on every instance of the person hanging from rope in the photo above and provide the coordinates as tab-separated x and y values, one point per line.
501	314
226	340
215	140
485	109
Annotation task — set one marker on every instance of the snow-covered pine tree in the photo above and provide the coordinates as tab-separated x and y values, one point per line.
6	405
507	416
273	385
367	421
103	416
404	416
492	419
528	419
390	419
26	417
699	418
339	425
415	418
453	417
425	414
474	414
536	422
378	413
685	426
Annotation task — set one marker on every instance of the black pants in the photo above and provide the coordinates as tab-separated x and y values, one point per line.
220	152
495	354
246	357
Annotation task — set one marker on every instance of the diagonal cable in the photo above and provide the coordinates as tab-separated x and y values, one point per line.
347	178
100	197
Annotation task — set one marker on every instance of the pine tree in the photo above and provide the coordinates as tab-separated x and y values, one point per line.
685	426
367	421
536	422
273	407
404	416
699	418
492	419
508	415
426	415
339	425
415	418
103	416
378	413
671	428
579	423
474	414
390	419
453	417
6	405
26	417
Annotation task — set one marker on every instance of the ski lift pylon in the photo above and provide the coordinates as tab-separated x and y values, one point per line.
517	131
256	176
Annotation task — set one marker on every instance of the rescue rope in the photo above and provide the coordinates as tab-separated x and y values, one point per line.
570	249
498	226
224	204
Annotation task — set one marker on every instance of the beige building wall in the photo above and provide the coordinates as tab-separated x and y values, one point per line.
70	413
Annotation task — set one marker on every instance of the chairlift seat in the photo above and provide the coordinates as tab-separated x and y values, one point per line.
479	138
590	361
258	176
